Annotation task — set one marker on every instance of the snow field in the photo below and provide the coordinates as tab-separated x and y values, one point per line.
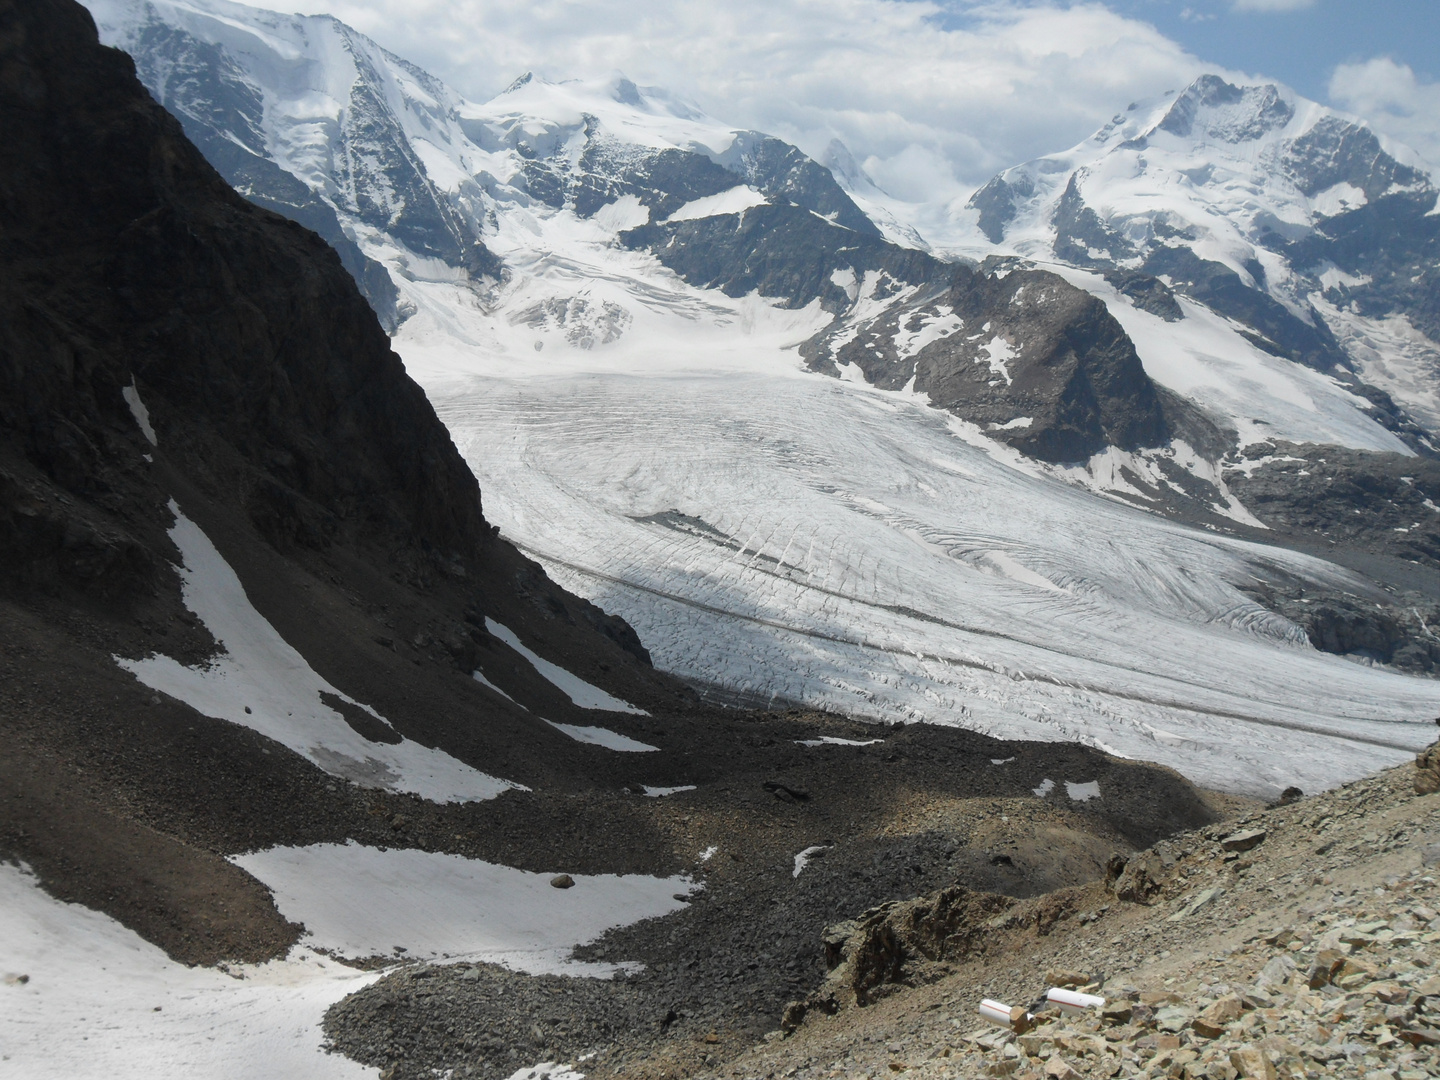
263	683
103	1003
359	901
100	1001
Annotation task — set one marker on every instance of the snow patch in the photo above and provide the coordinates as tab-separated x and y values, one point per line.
626	212
1046	786
1001	760
546	1070
479	676
599	736
802	860
735	201
1338	199
575	688
138	410
998	353
831	740
142	1014
934	326
357	901
259	681
1083	792
661	792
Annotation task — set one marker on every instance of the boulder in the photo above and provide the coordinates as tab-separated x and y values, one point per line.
1427	770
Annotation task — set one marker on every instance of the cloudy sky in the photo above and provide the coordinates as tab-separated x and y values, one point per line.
933	96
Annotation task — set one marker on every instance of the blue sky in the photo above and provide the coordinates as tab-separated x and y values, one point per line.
1303	45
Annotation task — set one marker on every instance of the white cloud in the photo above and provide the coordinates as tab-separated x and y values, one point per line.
1272	5
933	97
1395	102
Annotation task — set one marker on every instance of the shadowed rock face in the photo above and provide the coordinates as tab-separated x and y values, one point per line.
129	261
1033	345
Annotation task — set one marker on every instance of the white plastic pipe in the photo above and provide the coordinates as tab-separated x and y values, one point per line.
1072	1001
996	1012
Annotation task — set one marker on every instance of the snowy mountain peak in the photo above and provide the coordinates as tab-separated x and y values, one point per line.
538	114
1215	109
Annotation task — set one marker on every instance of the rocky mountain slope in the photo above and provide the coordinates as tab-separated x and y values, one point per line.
279	705
1299	941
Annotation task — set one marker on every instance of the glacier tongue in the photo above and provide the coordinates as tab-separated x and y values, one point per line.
785	536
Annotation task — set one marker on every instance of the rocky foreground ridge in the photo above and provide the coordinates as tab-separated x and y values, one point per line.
1301	941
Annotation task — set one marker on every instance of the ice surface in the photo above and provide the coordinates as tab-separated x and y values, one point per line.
775	532
137	409
362	901
1083	792
261	682
575	688
599	736
102	1002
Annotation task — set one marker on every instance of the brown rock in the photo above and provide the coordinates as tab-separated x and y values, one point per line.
793	1016
1057	1068
1067	978
1420	1035
1143	877
1212	1022
1117	1012
1353	973
1243	840
1427	770
1391	993
562	881
1252	1064
1020	1020
1327	962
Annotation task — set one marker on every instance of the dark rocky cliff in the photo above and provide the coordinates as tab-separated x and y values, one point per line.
129	260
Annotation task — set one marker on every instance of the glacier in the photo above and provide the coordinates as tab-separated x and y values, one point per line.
777	537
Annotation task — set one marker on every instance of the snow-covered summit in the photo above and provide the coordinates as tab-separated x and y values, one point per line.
536	116
1219	168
